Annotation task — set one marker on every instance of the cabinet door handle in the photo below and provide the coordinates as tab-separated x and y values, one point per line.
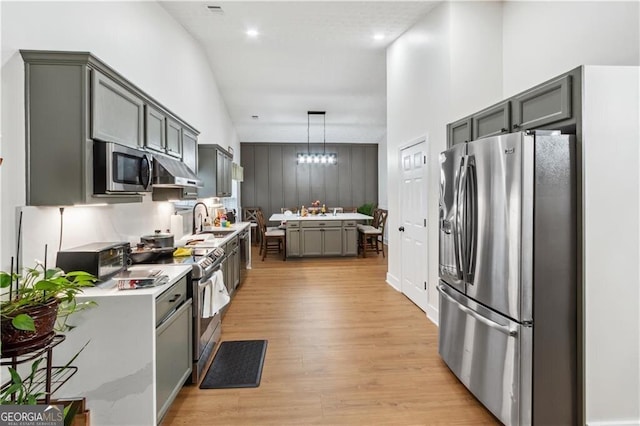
401	229
504	130
516	126
175	297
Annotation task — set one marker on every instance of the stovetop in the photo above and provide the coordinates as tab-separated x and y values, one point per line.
202	260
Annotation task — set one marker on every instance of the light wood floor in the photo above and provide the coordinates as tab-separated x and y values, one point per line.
344	347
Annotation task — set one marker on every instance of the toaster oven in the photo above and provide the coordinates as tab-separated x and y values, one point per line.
103	260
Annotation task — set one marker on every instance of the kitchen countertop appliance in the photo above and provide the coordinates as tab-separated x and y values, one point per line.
102	259
206	331
507	266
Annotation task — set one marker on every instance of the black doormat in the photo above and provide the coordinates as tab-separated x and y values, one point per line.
237	364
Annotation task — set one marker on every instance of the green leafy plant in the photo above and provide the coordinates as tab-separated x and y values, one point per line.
39	286
367	209
29	389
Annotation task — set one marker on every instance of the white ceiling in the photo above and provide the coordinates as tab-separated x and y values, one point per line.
309	55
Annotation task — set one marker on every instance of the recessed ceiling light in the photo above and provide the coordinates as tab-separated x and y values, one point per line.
252	32
378	36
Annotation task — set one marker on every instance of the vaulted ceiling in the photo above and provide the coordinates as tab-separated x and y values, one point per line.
307	56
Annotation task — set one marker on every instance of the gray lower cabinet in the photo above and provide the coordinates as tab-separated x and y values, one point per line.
311	241
321	238
117	114
293	239
174	357
349	238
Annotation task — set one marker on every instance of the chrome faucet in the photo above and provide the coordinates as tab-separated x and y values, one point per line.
193	214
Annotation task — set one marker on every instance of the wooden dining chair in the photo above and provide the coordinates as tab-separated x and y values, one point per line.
249	214
371	237
272	239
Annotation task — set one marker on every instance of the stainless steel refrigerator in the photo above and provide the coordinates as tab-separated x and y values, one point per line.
507	265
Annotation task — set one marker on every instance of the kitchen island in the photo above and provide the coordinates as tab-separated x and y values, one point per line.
318	235
139	351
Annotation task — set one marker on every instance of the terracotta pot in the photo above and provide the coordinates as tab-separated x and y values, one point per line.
15	342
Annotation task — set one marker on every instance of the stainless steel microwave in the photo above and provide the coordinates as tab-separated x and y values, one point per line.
120	169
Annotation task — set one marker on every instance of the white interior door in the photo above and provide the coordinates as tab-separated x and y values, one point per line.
413	202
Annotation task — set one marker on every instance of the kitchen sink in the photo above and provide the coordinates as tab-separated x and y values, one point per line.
218	233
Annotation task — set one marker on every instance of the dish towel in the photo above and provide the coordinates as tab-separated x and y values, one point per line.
215	295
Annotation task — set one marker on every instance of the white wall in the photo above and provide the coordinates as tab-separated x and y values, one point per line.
450	65
143	43
611	183
433	72
543	39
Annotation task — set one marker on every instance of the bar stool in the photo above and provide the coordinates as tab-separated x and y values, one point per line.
250	214
371	237
272	238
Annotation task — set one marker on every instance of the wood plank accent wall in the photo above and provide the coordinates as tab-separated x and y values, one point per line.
273	179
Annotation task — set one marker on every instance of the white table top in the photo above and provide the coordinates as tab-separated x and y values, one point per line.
279	217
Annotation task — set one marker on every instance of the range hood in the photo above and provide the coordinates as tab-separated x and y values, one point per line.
172	173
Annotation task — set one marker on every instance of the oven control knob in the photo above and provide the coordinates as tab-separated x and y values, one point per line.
218	252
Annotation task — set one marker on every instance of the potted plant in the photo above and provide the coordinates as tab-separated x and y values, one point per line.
37	303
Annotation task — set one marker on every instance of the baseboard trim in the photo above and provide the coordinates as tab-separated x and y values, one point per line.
432	314
393	281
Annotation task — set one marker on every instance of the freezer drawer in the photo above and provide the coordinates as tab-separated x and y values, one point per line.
490	354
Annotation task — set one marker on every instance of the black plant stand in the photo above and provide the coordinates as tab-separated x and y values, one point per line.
47	379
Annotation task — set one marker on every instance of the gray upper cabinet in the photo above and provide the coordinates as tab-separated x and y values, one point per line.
155	130
72	99
174	138
553	104
492	121
190	150
214	168
459	132
543	105
118	114
222	175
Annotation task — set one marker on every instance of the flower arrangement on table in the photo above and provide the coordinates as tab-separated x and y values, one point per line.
316	209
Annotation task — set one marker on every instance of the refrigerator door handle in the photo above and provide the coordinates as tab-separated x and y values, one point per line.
472	219
501	328
460	233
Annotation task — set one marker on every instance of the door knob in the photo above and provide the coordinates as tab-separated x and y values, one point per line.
401	229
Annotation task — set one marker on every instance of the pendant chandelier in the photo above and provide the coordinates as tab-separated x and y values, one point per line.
317	158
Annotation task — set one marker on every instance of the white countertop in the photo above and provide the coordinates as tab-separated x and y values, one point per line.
208	237
279	217
109	289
